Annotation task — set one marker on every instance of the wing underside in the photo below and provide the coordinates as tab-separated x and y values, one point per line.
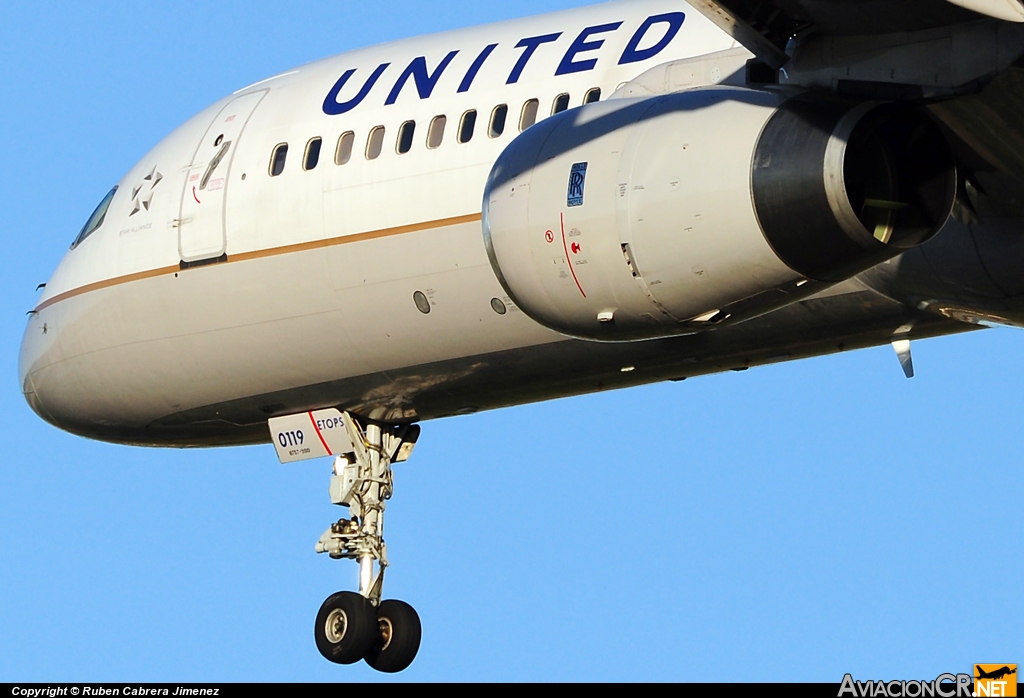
767	26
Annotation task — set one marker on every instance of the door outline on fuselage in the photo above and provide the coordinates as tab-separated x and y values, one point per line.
201	221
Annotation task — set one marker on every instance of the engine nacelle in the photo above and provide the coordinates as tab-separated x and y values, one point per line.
641	218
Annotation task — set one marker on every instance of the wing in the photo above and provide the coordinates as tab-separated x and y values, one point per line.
962	57
766	26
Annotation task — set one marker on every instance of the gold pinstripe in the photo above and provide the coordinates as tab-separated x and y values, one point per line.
269	252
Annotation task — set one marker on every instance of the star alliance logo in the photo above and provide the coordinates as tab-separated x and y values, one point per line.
142	195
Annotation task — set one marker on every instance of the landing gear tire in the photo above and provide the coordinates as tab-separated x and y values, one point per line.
346	627
398	640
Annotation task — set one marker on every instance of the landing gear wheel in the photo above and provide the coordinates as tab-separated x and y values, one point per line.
399	637
346	627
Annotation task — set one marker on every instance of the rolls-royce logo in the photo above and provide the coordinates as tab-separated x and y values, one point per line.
577	178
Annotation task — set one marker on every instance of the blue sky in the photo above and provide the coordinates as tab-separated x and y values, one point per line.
788	523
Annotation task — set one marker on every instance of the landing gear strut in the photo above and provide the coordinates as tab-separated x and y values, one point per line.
352	626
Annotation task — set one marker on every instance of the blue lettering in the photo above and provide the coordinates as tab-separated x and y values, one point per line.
417	70
634	54
530	44
475	68
581	45
427	81
333	107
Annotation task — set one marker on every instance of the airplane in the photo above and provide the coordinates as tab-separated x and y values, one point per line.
743	184
995	674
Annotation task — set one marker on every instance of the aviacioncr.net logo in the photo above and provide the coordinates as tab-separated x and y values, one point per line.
943	686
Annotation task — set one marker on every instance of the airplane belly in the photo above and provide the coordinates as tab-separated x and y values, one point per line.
278	339
135	352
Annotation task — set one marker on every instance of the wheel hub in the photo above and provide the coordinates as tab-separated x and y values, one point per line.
386	631
336	625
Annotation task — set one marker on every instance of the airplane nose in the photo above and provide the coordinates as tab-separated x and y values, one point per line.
70	384
32	398
37	341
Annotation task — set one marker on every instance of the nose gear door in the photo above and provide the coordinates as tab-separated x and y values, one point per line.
200	221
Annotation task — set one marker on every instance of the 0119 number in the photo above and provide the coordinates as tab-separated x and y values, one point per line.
290	438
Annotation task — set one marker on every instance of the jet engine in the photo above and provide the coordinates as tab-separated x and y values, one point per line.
641	218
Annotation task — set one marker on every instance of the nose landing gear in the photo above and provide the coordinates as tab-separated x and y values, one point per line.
351	626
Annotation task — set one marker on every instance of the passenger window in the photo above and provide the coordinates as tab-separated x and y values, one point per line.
312	153
374	143
277	159
405	134
467	125
435	134
593	95
528	117
343	153
561	103
96	219
497	126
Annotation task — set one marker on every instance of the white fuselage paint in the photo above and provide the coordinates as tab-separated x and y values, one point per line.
321	264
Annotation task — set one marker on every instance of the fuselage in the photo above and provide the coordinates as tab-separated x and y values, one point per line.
314	240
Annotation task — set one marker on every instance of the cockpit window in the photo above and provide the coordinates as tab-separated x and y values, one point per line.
96	219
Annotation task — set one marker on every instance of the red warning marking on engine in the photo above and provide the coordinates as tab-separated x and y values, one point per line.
549	236
575	247
195	197
561	221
